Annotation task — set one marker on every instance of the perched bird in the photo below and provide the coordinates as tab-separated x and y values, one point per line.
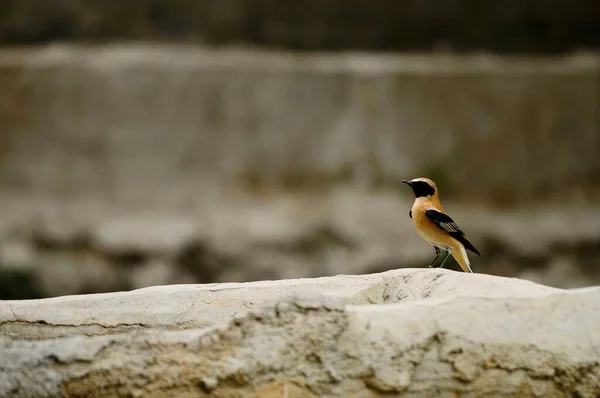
436	227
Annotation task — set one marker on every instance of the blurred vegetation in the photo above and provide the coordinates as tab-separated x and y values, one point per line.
542	26
17	284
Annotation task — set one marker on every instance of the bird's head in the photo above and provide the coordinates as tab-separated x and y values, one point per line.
422	187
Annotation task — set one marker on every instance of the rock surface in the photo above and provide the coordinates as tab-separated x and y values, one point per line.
404	333
186	306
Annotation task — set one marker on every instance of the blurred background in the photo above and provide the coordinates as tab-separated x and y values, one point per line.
158	142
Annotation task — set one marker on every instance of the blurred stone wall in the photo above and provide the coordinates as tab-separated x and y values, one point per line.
128	166
167	123
516	26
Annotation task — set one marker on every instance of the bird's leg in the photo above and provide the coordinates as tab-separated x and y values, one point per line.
448	252
437	255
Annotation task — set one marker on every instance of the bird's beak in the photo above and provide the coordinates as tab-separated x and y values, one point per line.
406	182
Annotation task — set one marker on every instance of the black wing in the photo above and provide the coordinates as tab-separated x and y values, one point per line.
447	224
410	213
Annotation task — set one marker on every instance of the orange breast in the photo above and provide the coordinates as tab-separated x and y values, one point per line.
428	230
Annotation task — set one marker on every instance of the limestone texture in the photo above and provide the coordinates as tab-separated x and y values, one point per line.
406	333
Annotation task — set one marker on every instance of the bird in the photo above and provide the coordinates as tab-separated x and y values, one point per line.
436	227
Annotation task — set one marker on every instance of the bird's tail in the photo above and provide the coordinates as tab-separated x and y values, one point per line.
460	255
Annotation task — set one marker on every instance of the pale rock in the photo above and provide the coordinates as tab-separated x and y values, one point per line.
410	333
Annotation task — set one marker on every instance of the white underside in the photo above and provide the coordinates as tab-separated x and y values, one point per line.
464	253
